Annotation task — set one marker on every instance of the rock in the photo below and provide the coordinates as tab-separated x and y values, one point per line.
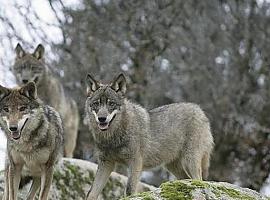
73	178
198	190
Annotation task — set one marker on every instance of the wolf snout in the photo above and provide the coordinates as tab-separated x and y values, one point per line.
25	81
14	131
103	123
13	128
102	119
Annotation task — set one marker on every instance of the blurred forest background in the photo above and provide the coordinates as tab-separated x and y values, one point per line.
214	53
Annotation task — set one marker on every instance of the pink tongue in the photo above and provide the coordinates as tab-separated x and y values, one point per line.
103	126
15	134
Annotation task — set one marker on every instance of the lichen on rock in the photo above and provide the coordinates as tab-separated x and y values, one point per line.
73	178
198	190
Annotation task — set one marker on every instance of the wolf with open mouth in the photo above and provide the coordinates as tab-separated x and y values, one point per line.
34	140
177	136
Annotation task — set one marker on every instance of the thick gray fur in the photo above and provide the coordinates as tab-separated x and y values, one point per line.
177	136
31	67
40	142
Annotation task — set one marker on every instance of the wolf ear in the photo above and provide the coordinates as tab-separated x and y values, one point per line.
29	90
39	52
19	51
120	84
3	92
92	84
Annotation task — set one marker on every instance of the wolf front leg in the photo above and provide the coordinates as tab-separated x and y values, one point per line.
34	188
14	177
46	181
135	169
104	170
6	190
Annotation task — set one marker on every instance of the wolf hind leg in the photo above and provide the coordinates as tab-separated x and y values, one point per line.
205	165
70	143
192	166
175	167
70	134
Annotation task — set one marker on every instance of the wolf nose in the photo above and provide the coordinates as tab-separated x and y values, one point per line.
102	119
25	81
13	128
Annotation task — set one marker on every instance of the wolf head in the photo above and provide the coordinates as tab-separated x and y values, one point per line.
29	66
104	102
17	107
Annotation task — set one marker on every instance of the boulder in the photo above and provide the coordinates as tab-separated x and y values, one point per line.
73	178
198	190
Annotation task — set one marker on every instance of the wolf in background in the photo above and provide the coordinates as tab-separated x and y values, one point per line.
177	136
31	67
34	140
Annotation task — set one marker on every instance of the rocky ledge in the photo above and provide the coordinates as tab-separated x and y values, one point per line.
73	178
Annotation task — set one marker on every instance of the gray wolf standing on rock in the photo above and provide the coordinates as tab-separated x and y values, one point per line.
31	67
34	140
176	135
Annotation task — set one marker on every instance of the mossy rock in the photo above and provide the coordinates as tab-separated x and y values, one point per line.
198	190
73	178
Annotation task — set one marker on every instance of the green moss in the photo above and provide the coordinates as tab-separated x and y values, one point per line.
202	184
184	190
199	184
219	190
233	193
176	190
179	190
111	186
143	195
71	180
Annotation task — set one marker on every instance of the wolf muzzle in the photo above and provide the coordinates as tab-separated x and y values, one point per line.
15	134
104	122
26	80
15	130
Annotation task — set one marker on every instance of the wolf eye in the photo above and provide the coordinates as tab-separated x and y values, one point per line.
6	109
23	108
